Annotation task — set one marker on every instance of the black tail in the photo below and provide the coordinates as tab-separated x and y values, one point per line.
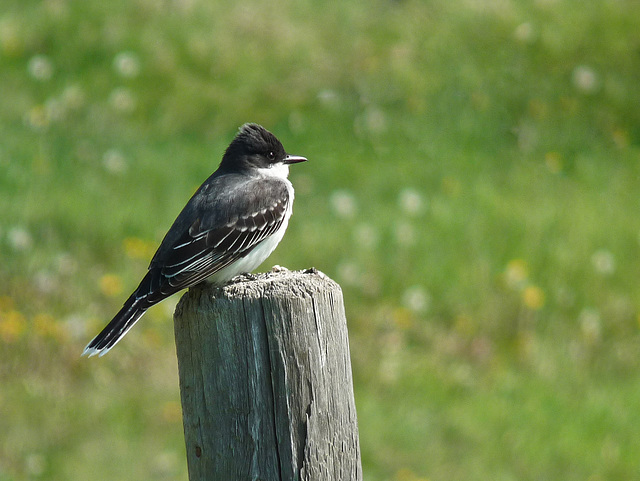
118	327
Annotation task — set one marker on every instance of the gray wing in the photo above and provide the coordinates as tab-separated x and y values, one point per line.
224	220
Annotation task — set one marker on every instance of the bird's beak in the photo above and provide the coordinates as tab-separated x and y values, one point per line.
294	159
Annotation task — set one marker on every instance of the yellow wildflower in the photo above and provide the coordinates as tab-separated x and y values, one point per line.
171	412
516	273
621	138
136	248
111	285
553	160
45	325
533	297
405	474
12	325
402	318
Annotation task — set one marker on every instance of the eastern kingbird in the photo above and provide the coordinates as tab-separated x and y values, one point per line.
230	226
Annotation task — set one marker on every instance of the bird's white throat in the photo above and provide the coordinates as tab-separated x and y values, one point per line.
279	170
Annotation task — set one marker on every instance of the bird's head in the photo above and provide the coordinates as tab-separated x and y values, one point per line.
254	147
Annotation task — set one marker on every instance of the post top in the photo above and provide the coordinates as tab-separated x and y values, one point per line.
279	281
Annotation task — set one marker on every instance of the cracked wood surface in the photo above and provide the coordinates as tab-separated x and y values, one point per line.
265	380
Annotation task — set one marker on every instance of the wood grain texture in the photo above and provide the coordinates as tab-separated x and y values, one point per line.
265	380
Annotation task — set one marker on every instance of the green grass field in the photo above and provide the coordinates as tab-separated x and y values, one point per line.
472	185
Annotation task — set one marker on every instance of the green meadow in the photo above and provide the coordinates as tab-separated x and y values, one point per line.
472	184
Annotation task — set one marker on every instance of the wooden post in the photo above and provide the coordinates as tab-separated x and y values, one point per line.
265	380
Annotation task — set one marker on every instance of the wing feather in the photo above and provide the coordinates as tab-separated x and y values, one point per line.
242	218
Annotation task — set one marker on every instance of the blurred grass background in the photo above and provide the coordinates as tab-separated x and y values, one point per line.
472	185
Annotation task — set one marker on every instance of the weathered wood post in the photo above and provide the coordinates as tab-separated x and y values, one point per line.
265	380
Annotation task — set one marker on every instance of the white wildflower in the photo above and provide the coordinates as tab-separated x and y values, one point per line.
40	67
126	64
603	262
114	162
410	201
416	299
343	203
122	100
585	79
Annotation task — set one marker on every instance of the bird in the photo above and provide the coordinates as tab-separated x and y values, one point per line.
231	224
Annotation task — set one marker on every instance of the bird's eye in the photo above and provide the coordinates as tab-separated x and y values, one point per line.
271	155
